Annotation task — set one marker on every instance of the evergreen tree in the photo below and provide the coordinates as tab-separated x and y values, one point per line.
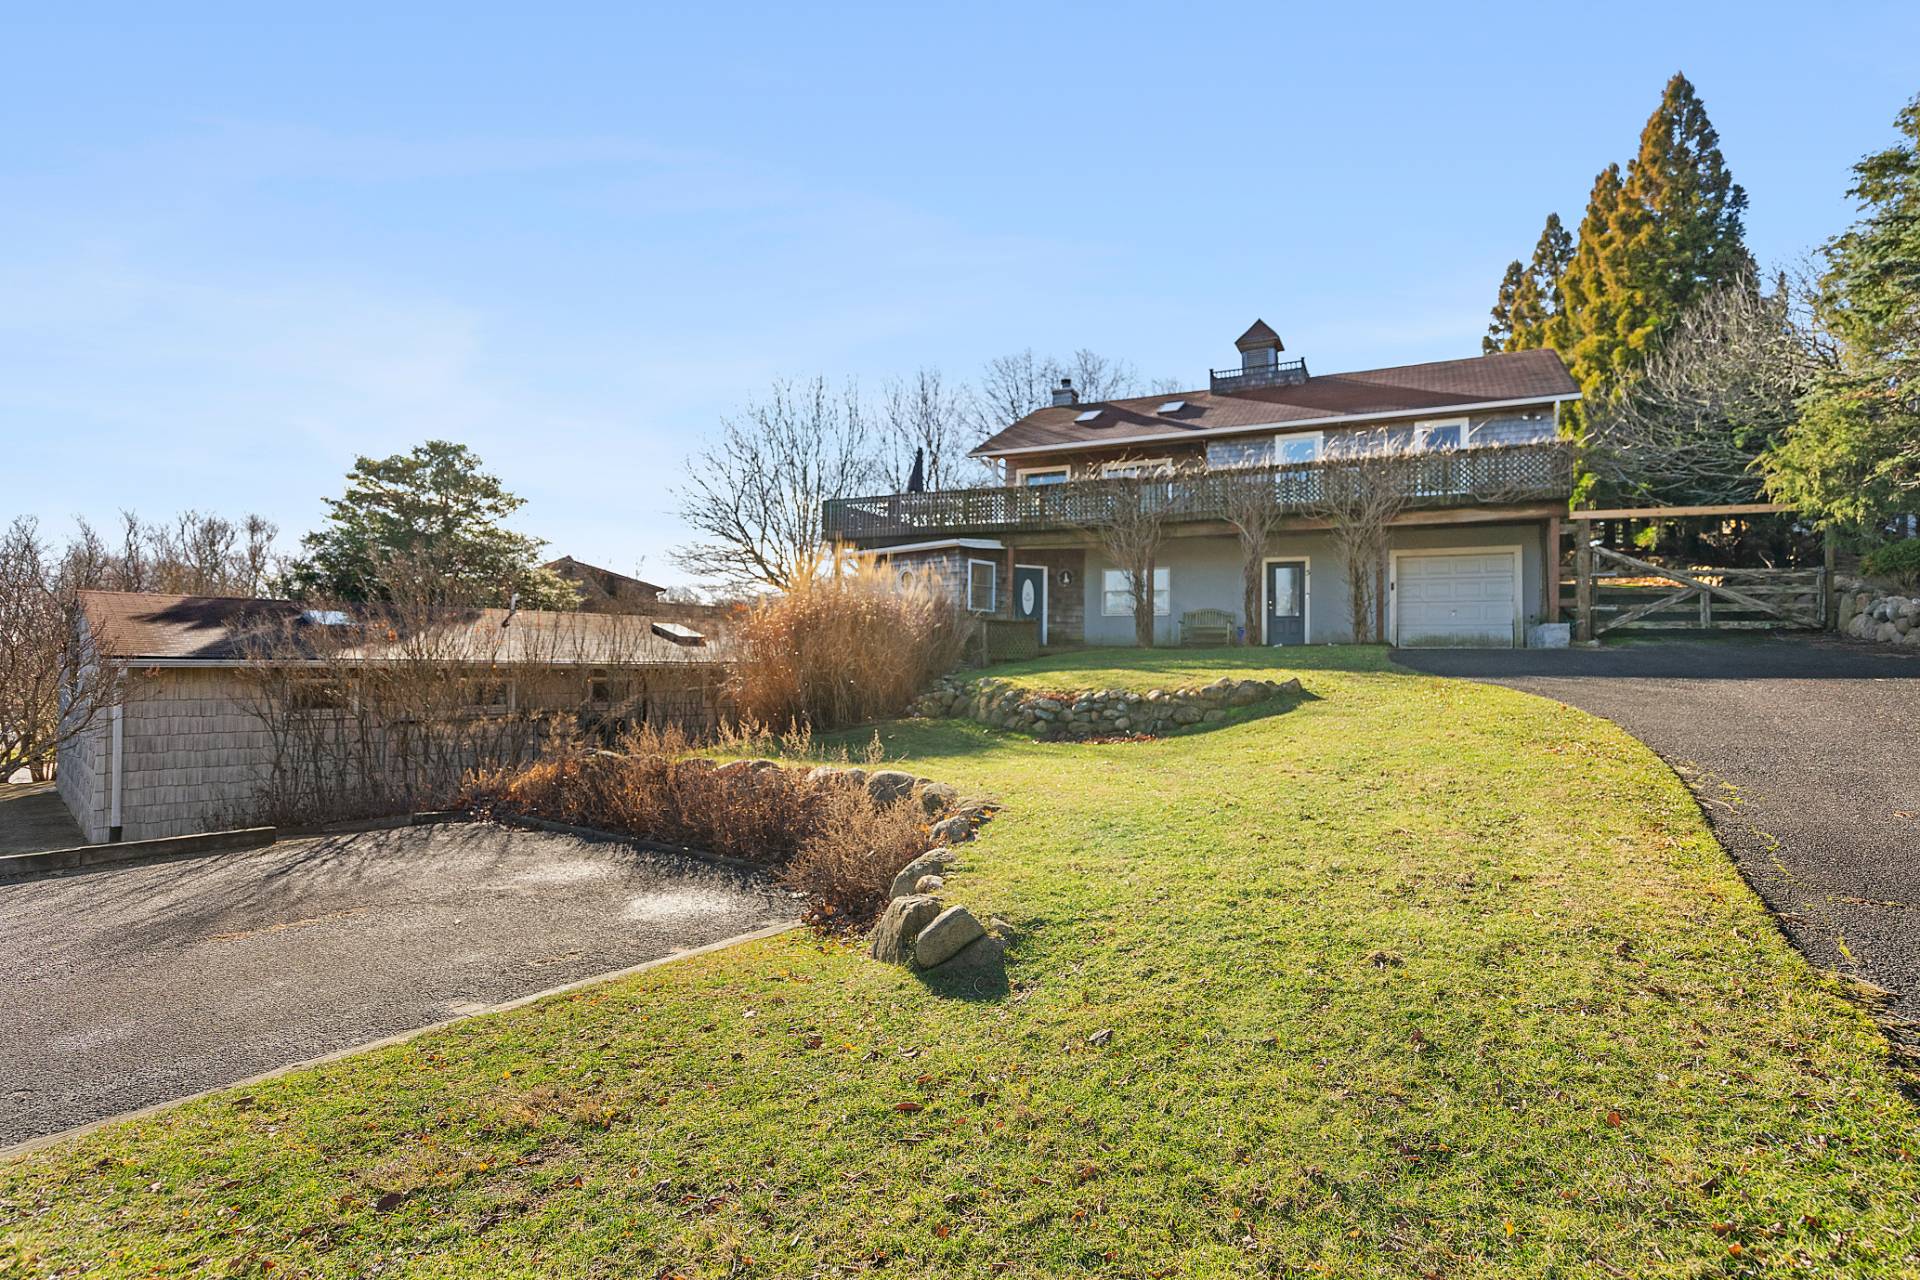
425	525
1650	244
1539	297
1591	327
1500	335
1530	295
1693	236
1853	458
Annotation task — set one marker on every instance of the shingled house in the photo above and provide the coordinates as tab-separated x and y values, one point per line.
603	590
1474	552
221	697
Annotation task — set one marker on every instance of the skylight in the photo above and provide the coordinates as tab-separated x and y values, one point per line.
1173	406
1088	416
325	618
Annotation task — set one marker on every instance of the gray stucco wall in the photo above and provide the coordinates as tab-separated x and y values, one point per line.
1205	574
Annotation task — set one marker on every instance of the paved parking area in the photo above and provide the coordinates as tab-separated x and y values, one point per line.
130	985
1802	751
34	818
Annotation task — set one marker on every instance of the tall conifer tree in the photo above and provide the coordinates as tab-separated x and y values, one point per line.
1539	299
1650	244
1500	331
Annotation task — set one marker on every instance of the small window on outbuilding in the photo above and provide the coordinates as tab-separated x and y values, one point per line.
983	586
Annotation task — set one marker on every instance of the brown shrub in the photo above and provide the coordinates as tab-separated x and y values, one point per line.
851	641
832	843
846	866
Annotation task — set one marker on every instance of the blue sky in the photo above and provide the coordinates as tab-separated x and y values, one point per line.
236	253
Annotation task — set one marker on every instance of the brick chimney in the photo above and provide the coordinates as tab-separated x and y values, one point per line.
1064	394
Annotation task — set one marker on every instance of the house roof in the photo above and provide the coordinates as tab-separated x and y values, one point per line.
1405	390
139	627
568	567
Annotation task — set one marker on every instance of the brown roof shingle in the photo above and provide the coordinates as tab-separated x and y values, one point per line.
1442	384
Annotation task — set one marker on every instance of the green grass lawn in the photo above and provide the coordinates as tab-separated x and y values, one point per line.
1422	978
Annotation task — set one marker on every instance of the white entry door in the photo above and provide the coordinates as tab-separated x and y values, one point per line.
1456	599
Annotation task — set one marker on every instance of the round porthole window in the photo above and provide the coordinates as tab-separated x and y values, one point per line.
1027	600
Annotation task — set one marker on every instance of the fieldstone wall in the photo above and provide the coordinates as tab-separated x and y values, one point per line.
1096	713
943	943
1882	617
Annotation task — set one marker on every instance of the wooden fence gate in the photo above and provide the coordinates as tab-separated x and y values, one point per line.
1701	600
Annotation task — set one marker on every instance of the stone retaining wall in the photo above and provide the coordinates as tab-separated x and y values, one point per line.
1881	616
1096	713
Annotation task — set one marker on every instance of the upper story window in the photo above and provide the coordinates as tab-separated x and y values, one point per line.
1134	468
1043	475
1300	448
1445	433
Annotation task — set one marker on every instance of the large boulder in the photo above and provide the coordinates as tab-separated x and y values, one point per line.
980	966
937	798
945	936
931	863
954	830
889	785
898	926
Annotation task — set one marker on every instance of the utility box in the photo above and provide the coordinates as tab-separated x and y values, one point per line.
1549	635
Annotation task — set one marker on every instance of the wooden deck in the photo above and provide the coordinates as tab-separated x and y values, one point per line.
1465	478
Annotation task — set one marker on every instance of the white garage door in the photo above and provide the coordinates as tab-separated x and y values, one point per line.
1456	599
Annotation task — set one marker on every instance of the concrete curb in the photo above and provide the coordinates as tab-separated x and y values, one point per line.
86	856
401	1037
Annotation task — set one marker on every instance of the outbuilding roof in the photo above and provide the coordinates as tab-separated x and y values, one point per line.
138	627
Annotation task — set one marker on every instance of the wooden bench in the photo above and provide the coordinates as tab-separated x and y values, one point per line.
1206	627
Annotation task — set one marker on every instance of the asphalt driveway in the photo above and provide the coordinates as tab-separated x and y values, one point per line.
130	985
1803	754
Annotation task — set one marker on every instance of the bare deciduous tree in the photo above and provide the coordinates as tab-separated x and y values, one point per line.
1246	499
1131	529
753	498
196	555
1362	492
927	415
1012	386
55	682
1723	386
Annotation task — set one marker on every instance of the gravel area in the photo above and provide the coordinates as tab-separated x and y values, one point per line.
135	984
1805	754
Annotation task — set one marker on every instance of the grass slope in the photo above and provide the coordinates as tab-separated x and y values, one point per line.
1420	978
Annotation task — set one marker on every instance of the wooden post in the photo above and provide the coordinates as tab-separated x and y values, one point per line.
1830	583
1583	585
1550	612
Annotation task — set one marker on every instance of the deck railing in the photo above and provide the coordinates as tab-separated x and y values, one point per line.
1249	377
1448	478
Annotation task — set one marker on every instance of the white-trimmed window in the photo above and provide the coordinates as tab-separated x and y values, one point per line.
1440	433
1302	447
1037	476
983	586
1116	593
1134	468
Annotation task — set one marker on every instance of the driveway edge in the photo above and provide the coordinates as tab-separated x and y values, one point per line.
400	1037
